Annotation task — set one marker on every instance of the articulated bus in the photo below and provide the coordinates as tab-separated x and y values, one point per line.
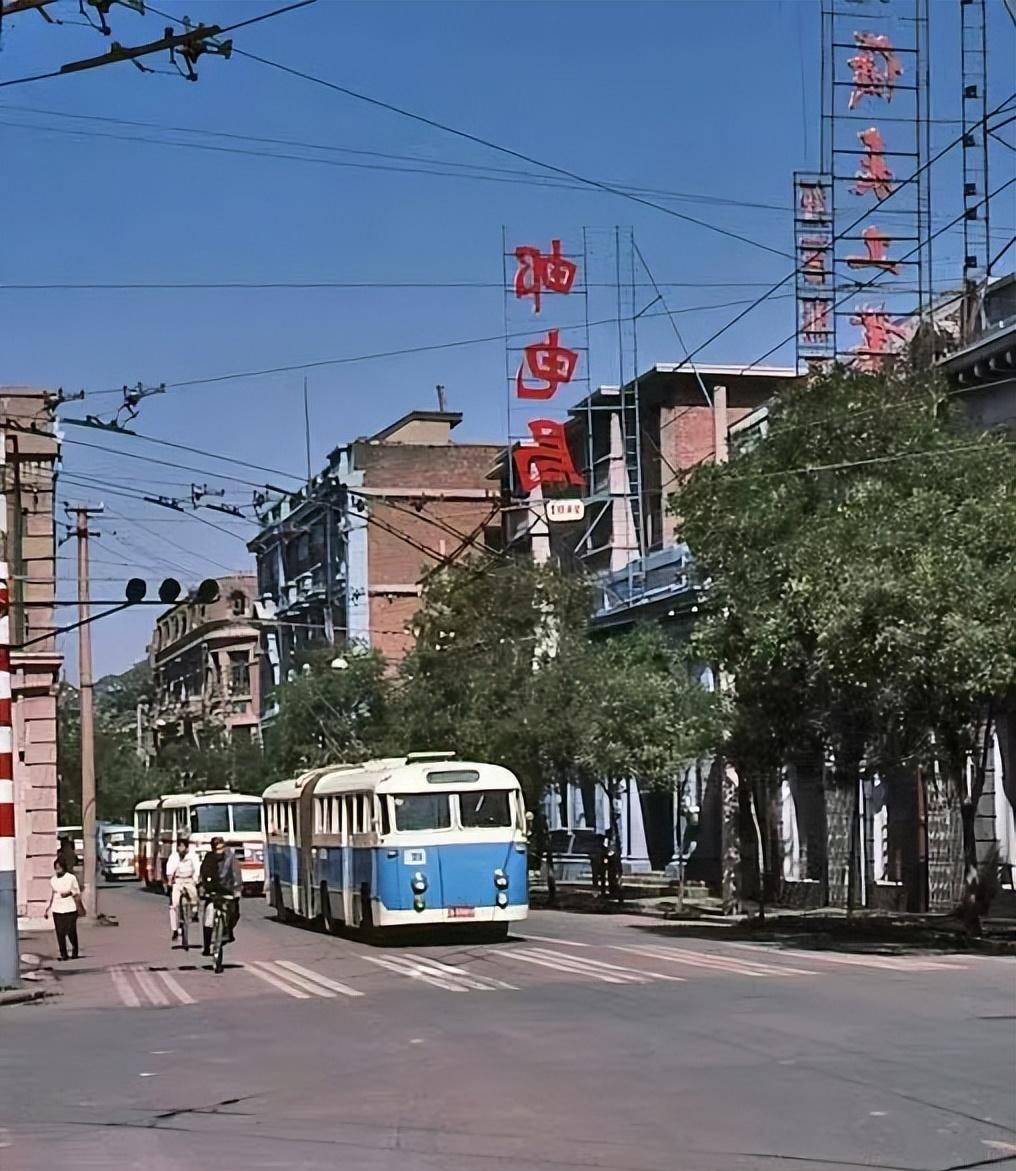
421	839
237	817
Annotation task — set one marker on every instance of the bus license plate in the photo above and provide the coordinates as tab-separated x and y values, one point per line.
461	912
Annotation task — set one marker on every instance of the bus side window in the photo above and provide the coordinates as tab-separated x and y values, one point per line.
352	816
385	817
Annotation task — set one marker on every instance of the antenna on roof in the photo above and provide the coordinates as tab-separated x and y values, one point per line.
441	405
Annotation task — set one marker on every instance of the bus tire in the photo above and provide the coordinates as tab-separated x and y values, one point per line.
282	912
327	918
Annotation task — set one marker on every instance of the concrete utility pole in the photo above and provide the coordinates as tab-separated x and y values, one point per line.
85	693
720	428
10	967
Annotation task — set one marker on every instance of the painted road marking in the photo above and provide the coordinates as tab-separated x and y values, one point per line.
280	973
276	981
175	988
474	980
583	966
883	962
310	974
127	995
710	962
406	968
149	987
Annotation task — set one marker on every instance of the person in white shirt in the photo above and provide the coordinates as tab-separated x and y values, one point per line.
182	872
65	903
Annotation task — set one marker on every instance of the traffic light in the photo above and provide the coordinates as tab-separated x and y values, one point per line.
169	591
135	590
207	592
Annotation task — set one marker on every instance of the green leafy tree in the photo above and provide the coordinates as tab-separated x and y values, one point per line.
860	563
335	709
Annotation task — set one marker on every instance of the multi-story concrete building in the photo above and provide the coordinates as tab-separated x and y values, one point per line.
32	450
343	560
205	672
632	444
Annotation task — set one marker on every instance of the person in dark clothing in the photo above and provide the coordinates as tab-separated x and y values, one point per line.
220	877
67	855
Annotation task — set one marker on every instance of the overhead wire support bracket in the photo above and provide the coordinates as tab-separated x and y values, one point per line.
188	45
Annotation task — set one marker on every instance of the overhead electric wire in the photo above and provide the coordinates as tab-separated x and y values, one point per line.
872	281
489	145
404	351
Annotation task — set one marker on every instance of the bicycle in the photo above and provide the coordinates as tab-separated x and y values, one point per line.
220	932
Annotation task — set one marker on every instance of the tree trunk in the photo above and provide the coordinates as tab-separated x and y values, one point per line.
730	847
841	824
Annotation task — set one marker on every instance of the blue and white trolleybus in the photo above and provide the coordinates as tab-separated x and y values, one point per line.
421	839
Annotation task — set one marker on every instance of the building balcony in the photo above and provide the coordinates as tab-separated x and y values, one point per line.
661	577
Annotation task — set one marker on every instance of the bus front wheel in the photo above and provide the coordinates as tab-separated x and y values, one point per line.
282	912
327	919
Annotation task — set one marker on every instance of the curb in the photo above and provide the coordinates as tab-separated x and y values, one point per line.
24	995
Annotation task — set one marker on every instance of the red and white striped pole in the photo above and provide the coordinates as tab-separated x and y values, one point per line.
9	962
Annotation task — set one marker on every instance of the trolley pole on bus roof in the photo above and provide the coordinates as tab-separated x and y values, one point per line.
10	966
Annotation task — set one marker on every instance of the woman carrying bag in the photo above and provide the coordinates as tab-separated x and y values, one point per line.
66	905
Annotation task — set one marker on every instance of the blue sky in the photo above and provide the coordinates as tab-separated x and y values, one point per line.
718	100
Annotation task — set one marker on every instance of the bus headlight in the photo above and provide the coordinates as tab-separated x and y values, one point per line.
500	880
419	883
419	904
502	899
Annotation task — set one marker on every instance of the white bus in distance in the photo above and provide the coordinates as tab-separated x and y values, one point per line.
418	840
237	817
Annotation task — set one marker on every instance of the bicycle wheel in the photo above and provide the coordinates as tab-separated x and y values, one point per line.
218	938
183	922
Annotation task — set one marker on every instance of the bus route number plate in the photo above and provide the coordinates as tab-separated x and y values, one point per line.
461	912
414	857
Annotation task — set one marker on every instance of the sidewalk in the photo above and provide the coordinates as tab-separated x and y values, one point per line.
702	914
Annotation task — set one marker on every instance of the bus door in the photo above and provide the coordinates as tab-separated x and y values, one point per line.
347	859
306	861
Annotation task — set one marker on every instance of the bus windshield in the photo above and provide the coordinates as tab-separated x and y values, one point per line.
246	818
486	809
119	837
209	819
416	811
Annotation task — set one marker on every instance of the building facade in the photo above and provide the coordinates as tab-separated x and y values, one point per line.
633	443
32	451
205	670
342	562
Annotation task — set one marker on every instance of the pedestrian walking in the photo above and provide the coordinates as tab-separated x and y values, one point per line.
66	905
67	855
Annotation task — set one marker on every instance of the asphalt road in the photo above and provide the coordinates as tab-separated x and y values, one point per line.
583	1042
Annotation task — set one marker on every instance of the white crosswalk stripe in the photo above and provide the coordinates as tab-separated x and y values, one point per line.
317	978
473	979
882	962
711	962
275	969
141	987
124	988
415	972
573	965
275	981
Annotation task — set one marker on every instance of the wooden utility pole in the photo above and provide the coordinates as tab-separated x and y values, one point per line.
82	513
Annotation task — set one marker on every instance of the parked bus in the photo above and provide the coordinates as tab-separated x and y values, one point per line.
115	851
421	839
237	817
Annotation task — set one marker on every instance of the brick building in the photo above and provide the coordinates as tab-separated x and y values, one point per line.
205	672
32	450
342	561
632	444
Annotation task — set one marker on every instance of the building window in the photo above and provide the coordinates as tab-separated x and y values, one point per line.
239	601
239	674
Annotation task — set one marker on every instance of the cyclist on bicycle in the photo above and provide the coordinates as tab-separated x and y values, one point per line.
182	876
221	879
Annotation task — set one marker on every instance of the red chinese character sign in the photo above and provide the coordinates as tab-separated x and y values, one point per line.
547	460
549	363
871	199
546	366
537	272
881	338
